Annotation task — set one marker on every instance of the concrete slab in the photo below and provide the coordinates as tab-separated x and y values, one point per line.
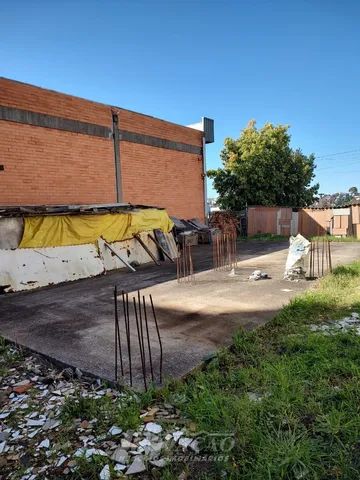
73	323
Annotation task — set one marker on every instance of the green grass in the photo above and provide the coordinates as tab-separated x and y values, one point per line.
333	238
287	396
306	424
123	412
8	357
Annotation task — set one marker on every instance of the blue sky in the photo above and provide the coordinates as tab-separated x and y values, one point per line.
290	62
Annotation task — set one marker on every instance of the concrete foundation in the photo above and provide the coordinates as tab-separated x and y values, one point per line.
74	323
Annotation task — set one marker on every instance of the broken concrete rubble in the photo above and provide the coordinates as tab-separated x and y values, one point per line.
33	437
346	324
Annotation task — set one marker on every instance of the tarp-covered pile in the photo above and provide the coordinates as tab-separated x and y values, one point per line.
66	230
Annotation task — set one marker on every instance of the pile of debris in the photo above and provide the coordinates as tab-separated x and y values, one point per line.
225	221
192	232
345	324
259	275
38	440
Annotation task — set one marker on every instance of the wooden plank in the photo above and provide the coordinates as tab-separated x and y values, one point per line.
160	248
146	249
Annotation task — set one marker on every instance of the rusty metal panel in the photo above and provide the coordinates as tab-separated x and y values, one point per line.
284	221
355	212
262	220
314	222
356	230
337	221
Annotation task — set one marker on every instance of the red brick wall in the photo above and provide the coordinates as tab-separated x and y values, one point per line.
48	166
28	97
164	178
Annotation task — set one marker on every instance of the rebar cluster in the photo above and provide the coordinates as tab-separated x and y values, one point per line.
320	258
224	251
184	265
135	311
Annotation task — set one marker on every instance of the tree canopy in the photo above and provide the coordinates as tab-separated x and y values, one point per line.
338	199
260	168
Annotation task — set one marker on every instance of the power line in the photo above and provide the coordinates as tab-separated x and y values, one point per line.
324	161
332	167
338	153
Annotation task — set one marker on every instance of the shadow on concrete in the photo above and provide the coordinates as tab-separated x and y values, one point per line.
87	341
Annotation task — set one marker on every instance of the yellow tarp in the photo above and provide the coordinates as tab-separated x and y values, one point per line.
64	230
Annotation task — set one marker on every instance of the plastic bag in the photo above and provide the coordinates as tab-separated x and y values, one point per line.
295	263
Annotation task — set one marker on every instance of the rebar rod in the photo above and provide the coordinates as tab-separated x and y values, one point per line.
327	255
313	259
141	328
117	336
148	339
125	300
116	342
330	261
159	337
140	344
318	257
192	277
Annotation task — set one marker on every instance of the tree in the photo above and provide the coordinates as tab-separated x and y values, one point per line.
260	168
353	191
338	199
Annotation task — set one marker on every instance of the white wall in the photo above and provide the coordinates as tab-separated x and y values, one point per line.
29	268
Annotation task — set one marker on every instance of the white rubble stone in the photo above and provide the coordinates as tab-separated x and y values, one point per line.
61	460
176	435
51	424
45	443
125	444
185	442
35	423
22	383
105	473
145	443
114	430
137	466
153	427
120	455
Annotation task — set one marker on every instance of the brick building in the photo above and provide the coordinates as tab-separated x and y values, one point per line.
60	149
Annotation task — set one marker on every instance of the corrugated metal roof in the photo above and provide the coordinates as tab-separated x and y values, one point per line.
31	210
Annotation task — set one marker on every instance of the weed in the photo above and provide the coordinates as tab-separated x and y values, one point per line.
124	412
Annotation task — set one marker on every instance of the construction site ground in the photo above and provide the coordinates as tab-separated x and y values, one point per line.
73	323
